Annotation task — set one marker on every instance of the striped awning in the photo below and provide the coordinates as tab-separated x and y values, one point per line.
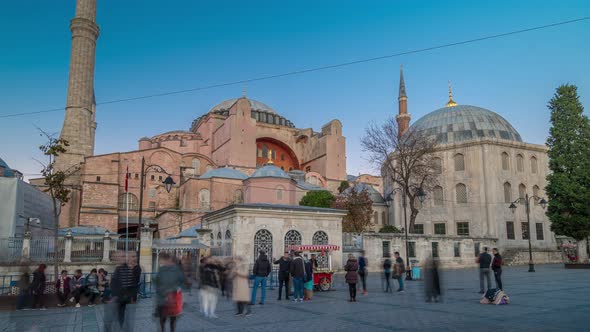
314	247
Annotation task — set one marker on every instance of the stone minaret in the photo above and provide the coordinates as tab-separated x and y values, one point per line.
79	123
403	118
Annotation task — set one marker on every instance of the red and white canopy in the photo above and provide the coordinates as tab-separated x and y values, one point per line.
314	247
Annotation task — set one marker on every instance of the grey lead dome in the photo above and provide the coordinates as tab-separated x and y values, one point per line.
465	122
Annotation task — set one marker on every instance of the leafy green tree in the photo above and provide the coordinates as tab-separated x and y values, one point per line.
389	229
360	210
317	198
568	184
343	186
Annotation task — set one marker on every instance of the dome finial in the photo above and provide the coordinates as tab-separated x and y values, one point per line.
269	157
244	91
451	102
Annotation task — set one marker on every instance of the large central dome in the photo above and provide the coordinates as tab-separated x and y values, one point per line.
254	104
465	122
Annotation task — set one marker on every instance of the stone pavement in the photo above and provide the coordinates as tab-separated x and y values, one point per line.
552	299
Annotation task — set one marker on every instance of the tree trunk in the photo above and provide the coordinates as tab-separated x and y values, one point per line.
55	236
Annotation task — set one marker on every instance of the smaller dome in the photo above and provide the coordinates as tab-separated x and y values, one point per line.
270	171
225	173
375	196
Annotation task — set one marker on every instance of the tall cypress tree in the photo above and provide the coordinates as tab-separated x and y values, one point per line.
568	187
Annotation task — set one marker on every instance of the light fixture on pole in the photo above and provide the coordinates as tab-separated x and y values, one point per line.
527	204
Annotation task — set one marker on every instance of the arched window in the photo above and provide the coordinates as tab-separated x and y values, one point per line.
437	165
507	192
534	167
461	193
292	237
227	235
279	190
262	241
227	244
505	161
133	201
204	198
536	193
196	166
376	218
319	237
522	193
459	162
384	217
264	151
438	196
212	241
519	163
238	196
219	239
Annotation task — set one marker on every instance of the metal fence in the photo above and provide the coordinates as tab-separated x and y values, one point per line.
87	250
10	249
119	244
42	249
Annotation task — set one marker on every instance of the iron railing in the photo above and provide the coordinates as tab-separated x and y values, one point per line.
10	249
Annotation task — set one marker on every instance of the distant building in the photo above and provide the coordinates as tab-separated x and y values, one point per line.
21	203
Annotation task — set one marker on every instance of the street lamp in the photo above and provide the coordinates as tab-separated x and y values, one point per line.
421	194
527	204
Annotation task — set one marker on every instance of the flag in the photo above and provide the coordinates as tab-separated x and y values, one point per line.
127	179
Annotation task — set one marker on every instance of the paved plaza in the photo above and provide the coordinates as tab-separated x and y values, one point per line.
552	299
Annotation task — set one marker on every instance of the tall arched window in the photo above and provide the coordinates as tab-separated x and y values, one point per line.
505	161
459	162
536	193
507	192
219	239
227	235
196	166
133	201
204	198
384	217
319	237
238	196
461	193
280	190
212	240
227	244
438	196
521	193
262	241
519	163
437	165
292	237
534	166
376	218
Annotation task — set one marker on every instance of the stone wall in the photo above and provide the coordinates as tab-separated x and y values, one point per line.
521	256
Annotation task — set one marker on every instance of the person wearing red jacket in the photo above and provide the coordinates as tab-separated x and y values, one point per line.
62	287
497	267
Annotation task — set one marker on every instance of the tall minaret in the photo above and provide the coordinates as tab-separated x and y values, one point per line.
403	118
79	123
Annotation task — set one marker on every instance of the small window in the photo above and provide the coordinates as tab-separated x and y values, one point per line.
461	193
196	163
457	249
136	176
463	228
438	196
412	249
386	248
282	157
204	198
153	177
525	230
440	228
376	218
418	229
476	248
505	161
520	163
98	179
540	234
459	162
510	230
160	178
435	249
522	193
534	166
507	193
384	218
308	168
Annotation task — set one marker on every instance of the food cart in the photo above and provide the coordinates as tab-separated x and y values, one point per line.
323	274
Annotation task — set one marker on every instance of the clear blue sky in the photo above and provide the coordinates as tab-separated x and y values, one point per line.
151	46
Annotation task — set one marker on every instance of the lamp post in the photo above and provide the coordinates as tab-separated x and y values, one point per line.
527	205
421	196
168	183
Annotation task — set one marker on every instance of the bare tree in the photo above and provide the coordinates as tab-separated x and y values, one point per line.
55	182
360	210
406	161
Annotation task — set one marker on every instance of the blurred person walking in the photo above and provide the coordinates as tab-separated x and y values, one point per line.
169	282
284	268
62	288
399	271
24	287
497	263
229	264
308	282
297	270
38	287
432	290
387	273
261	271
122	290
209	287
240	290
363	271
484	260
352	276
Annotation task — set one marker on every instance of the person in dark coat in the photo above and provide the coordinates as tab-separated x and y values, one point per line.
484	260
169	281
351	277
38	287
363	271
24	286
497	263
432	281
284	270
123	287
209	286
387	273
399	271
261	271
297	269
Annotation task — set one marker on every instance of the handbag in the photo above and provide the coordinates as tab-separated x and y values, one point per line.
174	303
